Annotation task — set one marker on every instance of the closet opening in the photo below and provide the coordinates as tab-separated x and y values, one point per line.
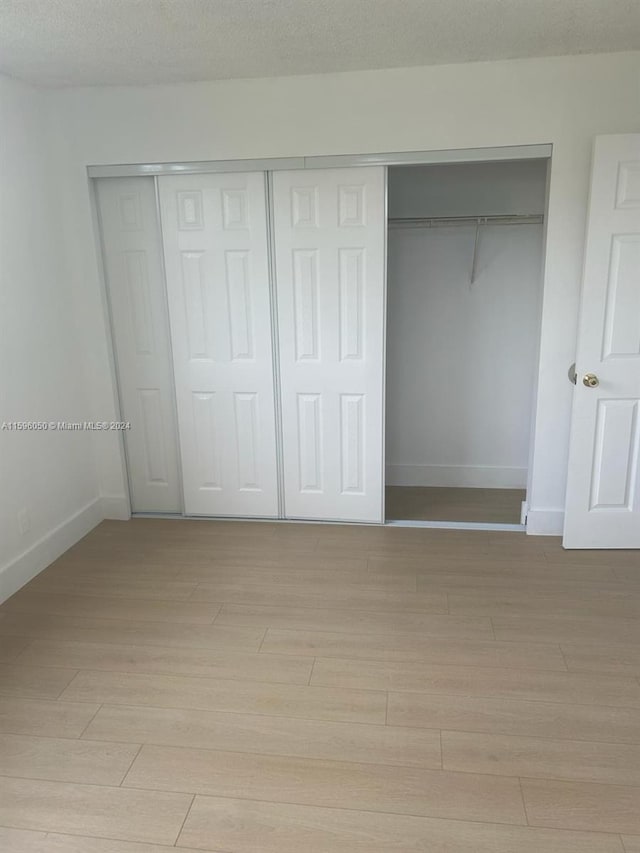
464	284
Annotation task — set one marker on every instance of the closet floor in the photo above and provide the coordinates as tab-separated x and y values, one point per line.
277	688
430	503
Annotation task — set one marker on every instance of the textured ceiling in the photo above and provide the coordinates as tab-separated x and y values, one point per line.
111	42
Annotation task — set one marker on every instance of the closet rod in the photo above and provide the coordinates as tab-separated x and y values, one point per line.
443	221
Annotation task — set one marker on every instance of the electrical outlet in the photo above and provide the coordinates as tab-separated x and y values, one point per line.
24	521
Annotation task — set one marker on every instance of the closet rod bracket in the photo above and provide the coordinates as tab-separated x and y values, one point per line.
474	262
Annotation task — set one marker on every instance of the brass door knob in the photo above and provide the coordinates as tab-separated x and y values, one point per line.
590	380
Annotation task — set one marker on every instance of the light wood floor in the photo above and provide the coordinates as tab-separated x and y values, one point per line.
433	503
262	688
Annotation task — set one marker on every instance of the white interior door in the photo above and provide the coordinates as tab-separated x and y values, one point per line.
330	230
603	490
132	252
215	242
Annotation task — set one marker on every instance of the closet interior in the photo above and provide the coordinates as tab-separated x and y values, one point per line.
465	253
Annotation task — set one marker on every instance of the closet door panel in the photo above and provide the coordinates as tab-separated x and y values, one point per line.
330	230
132	251
215	242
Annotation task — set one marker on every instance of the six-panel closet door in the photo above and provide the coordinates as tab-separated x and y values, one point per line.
329	228
132	252
215	246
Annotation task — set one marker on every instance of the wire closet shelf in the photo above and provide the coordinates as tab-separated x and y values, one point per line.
444	221
478	221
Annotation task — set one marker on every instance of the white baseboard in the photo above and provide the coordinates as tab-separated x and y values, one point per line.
19	571
457	525
115	507
469	476
545	522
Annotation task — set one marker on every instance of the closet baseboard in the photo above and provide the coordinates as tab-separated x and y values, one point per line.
461	476
545	522
115	507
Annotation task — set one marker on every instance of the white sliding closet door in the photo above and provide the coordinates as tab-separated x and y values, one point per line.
330	230
215	242
132	252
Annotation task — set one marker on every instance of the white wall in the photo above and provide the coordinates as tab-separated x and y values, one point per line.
468	189
564	101
461	356
50	476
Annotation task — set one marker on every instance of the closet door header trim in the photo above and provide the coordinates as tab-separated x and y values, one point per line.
272	164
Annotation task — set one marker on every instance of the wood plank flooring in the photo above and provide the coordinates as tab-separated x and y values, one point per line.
263	688
437	503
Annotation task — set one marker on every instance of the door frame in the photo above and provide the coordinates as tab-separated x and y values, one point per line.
540	151
492	156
